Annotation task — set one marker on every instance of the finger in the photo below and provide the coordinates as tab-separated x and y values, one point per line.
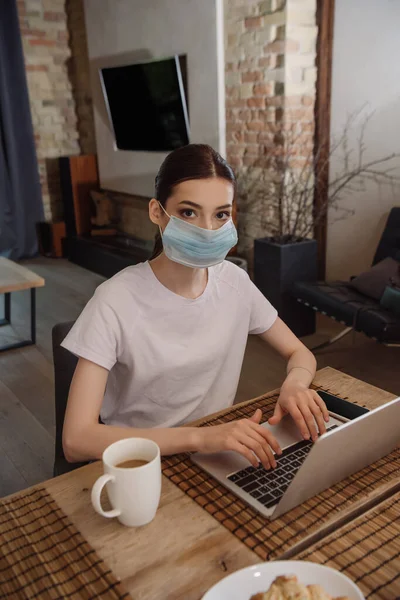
265	446
277	416
237	446
309	419
298	418
318	416
267	435
317	398
256	418
258	447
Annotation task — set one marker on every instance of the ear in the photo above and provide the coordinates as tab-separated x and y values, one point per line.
155	212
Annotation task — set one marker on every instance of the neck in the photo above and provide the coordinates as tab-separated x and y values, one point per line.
184	281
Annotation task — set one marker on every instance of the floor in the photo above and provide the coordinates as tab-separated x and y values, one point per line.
26	375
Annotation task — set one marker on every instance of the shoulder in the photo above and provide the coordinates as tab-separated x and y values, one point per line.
120	290
124	283
229	274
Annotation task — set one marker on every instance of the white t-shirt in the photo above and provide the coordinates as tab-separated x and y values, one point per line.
171	359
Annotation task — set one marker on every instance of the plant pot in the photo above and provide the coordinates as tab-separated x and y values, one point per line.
239	262
276	268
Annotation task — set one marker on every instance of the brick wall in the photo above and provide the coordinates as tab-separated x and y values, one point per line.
62	123
270	88
79	73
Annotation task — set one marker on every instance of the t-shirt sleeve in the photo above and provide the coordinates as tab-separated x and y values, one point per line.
96	335
263	315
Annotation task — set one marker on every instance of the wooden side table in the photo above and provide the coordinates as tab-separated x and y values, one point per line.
14	278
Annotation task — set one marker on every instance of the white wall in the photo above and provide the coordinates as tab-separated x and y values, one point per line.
125	31
365	69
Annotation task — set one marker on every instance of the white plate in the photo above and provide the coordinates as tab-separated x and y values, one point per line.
258	578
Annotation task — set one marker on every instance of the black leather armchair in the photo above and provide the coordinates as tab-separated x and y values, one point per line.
64	367
337	299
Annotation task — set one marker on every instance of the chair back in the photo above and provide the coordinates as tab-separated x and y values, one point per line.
389	244
64	368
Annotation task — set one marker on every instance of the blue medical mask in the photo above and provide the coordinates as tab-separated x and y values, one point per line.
194	246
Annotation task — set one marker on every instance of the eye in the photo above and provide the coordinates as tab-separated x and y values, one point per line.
223	215
187	213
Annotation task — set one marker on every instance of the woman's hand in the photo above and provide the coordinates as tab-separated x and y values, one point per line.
245	436
305	406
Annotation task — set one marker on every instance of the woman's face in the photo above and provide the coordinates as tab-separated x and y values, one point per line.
206	203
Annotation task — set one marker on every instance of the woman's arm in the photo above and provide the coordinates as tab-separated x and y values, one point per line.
304	405
84	438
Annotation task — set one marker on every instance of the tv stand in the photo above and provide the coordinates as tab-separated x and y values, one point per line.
106	255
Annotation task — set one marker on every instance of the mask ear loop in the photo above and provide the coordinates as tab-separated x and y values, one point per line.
163	209
161	233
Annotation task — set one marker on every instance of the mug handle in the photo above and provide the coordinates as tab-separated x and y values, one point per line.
96	492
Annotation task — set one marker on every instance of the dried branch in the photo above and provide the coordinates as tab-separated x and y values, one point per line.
279	193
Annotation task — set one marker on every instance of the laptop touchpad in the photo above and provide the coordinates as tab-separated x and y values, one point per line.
287	432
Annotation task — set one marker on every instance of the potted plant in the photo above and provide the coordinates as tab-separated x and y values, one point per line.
276	199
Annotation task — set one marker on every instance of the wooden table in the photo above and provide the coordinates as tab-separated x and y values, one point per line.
184	551
14	278
366	550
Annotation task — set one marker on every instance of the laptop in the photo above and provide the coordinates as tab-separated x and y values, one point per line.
305	468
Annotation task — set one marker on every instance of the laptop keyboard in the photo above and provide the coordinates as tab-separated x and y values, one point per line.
268	487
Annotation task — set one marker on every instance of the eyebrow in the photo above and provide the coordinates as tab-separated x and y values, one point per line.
200	207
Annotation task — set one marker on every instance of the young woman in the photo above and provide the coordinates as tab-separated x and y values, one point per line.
161	343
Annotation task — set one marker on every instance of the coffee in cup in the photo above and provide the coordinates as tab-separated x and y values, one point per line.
131	463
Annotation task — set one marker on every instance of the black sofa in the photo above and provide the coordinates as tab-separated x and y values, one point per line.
337	299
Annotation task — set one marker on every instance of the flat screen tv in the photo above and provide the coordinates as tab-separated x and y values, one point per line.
147	105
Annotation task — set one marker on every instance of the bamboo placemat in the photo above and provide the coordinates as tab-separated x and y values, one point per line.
367	550
43	556
270	539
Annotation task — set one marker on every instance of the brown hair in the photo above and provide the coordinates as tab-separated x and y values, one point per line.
194	161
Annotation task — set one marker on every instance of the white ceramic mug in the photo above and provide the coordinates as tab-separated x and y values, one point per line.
134	493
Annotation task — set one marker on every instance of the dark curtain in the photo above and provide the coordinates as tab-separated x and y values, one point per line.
20	194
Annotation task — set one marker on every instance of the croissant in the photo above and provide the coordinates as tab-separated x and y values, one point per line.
318	593
288	587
